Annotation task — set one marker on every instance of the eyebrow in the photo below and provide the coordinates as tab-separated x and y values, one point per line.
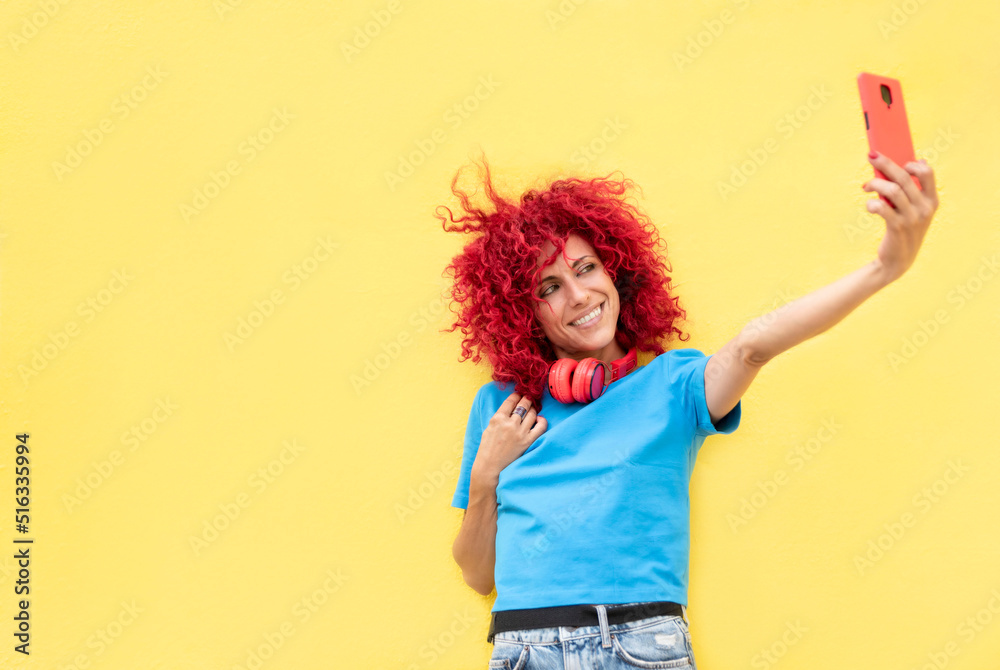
575	263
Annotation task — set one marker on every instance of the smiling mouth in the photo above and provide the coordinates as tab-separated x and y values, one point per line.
595	314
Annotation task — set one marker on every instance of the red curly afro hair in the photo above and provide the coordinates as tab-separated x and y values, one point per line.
496	274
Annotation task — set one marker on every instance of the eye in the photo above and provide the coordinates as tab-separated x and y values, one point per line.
586	268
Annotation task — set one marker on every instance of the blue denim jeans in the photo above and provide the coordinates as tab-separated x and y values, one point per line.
655	642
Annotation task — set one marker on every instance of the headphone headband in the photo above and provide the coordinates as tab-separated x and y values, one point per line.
622	366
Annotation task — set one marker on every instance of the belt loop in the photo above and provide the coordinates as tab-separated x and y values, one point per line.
684	615
602	618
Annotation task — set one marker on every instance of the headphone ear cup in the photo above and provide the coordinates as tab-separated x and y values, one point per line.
588	380
560	374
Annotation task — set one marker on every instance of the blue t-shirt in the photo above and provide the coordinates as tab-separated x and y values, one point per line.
596	510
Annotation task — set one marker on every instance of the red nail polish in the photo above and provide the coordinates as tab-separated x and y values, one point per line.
872	155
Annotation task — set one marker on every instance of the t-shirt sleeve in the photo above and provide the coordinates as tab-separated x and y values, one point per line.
473	433
688	370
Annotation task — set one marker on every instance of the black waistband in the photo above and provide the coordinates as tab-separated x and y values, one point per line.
576	615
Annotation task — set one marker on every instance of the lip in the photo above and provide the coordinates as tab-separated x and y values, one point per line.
594	321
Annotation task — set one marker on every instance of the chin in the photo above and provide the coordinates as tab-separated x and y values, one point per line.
597	342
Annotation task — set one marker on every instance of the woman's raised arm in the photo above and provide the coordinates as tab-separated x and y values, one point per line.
731	370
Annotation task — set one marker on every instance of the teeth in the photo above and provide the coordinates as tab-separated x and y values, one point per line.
593	315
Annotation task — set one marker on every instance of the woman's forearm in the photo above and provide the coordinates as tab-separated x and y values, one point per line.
783	328
475	547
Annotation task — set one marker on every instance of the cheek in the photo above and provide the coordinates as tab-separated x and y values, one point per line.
547	317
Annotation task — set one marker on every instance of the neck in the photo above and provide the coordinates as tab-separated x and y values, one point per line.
608	354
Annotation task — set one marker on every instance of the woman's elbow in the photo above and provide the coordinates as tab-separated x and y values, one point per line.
483	588
482	585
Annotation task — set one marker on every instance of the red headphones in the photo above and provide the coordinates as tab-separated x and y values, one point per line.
588	377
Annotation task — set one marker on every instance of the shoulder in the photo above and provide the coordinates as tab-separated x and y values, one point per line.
681	366
677	359
685	354
491	395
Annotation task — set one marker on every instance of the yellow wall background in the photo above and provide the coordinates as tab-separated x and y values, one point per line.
201	249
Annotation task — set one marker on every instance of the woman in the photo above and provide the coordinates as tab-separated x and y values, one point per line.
576	506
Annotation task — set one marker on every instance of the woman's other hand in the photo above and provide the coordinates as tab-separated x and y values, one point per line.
507	436
909	216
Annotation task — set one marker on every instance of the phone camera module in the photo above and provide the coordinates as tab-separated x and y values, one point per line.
886	94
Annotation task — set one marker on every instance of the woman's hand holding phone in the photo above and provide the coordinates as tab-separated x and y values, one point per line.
907	196
909	217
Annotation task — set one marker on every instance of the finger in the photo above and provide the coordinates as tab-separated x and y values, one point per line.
507	406
879	206
540	425
925	173
529	418
893	192
524	402
897	175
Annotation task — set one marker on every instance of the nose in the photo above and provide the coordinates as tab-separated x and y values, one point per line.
578	293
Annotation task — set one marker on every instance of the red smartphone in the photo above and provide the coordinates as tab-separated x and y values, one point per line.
885	121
